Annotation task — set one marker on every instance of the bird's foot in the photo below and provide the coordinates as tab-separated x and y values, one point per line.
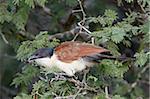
59	76
84	83
84	79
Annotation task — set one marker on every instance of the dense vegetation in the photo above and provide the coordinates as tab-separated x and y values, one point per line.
121	26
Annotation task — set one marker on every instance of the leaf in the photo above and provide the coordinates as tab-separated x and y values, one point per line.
41	2
20	18
135	30
30	3
28	47
117	34
146	30
5	15
113	48
59	83
71	2
126	43
37	86
117	97
103	35
110	16
118	69
47	95
23	96
26	76
16	2
141	58
92	77
100	96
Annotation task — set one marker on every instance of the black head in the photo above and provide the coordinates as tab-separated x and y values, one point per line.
41	53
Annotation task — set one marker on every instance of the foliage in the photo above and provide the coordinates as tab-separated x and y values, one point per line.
30	3
110	29
26	76
23	96
28	47
141	58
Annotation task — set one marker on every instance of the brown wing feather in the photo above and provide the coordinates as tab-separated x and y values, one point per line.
69	51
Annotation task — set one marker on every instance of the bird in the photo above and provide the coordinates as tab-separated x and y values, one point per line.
70	57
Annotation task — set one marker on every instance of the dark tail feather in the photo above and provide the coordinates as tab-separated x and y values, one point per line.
97	57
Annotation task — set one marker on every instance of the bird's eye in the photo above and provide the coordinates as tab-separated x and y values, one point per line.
36	54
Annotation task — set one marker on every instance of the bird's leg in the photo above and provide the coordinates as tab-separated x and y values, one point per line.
59	76
84	77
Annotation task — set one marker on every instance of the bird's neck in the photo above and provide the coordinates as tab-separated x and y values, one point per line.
47	61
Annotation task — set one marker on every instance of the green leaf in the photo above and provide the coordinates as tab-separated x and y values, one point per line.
113	48
5	15
59	83
117	34
37	86
141	58
103	35
71	2
92	77
100	96
20	18
41	2
28	47
117	97
146	30
47	95
26	76
23	96
16	2
30	3
109	65
110	16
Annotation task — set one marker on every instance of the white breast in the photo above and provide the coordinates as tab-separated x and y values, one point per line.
69	68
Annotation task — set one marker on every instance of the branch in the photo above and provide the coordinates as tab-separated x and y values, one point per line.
133	85
106	93
3	37
69	35
82	10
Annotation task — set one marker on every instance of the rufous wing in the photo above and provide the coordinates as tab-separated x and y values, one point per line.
70	51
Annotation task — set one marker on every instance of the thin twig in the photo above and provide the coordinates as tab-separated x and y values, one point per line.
3	37
70	35
82	10
75	37
78	92
83	18
139	3
93	40
84	28
106	93
133	85
75	11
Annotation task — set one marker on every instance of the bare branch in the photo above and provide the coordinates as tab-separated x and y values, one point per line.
82	10
4	39
133	85
69	35
106	93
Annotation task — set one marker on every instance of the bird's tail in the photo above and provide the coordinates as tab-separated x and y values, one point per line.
97	57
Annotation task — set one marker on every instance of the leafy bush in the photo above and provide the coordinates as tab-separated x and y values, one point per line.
108	80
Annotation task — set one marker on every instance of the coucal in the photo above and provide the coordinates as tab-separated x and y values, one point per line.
70	57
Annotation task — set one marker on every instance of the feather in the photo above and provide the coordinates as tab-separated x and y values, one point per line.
70	51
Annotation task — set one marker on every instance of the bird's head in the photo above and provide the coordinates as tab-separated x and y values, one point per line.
41	56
